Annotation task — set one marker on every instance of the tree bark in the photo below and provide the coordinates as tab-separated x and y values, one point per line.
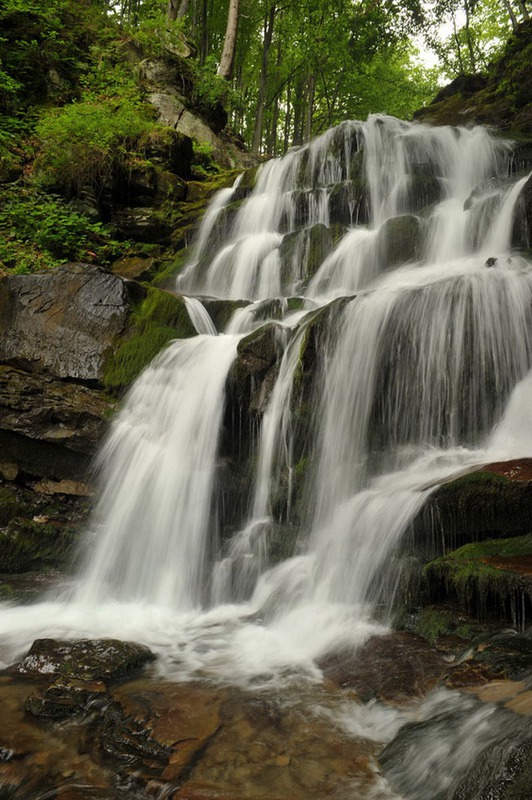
263	79
176	9
311	88
225	70
511	14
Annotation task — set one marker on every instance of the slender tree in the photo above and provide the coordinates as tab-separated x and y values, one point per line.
225	70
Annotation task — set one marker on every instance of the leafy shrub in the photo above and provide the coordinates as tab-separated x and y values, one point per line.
84	142
40	231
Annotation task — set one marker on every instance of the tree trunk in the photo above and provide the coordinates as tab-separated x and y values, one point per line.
225	69
458	50
204	36
509	9
171	10
300	100
176	9
263	79
311	88
524	9
468	37
288	117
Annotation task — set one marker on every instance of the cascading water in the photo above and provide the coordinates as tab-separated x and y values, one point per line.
396	238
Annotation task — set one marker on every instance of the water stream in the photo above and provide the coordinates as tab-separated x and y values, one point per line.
425	352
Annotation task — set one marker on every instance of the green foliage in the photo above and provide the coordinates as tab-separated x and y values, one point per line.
44	49
83	143
155	35
469	572
40	231
26	545
160	318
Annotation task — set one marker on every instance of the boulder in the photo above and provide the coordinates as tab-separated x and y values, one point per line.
86	659
62	322
172	112
400	241
49	410
78	672
143	224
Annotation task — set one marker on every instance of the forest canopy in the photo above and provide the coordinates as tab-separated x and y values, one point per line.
284	69
74	110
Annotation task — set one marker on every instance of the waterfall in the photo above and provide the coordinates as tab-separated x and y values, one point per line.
154	524
383	252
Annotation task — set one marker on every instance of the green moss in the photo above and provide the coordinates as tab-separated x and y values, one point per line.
466	573
168	269
481	477
160	318
434	622
10	507
26	545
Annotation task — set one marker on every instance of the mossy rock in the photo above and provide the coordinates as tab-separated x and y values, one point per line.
203	191
11	506
503	98
492	578
155	321
27	546
475	507
222	311
400	241
302	253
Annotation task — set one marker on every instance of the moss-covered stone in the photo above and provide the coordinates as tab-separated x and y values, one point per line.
502	98
400	241
492	577
11	506
158	319
26	545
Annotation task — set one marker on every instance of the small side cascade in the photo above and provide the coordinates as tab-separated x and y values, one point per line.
200	317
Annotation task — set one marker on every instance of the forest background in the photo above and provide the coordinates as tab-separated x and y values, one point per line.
273	72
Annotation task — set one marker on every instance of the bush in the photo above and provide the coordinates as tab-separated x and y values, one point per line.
82	144
39	231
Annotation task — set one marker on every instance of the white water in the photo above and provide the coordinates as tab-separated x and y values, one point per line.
425	374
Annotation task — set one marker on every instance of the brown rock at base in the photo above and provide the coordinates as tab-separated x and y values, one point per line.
75	488
396	668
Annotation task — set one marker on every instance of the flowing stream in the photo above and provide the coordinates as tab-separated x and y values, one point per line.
423	370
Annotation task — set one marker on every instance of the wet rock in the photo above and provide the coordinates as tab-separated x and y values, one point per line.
63	321
40	407
64	697
424	190
302	253
400	241
160	726
86	659
257	364
395	668
8	471
349	203
143	224
75	488
137	268
222	311
492	502
440	757
27	545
